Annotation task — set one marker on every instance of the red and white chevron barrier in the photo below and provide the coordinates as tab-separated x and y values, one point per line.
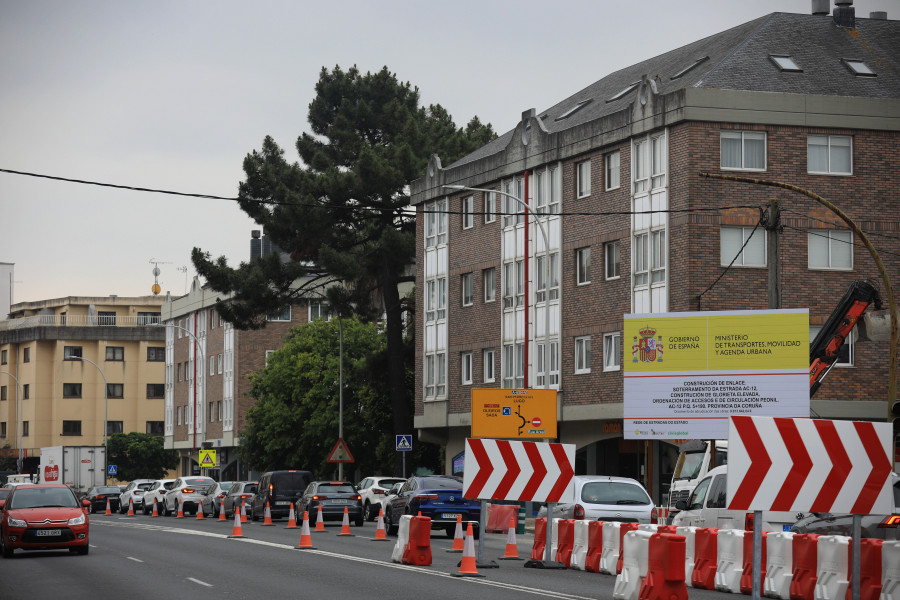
514	470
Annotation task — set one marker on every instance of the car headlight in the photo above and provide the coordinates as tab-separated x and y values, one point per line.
15	522
79	520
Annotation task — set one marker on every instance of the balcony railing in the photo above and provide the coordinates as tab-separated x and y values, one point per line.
79	321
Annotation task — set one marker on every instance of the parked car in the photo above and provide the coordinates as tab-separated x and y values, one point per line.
333	497
605	498
156	492
43	517
279	489
373	490
134	493
436	496
99	495
840	524
241	491
4	492
185	492
212	498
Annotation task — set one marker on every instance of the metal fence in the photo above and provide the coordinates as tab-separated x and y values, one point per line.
79	321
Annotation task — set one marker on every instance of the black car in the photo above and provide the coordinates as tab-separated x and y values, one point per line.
333	497
436	496
279	489
100	494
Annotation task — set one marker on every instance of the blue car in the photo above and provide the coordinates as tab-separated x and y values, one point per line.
436	496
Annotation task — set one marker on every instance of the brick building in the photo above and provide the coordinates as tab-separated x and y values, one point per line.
632	227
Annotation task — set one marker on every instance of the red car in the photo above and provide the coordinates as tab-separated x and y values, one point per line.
43	517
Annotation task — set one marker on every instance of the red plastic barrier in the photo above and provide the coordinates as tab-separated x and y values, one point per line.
665	568
706	549
869	569
595	547
623	529
418	548
805	550
540	539
499	516
747	573
666	529
566	541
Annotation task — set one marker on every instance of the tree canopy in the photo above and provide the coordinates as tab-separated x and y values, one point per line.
139	456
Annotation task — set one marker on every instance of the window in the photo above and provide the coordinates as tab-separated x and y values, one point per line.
621	94
180	376
612	360
156	354
513	211
554	364
114	427
435	223
283	314
733	239
467	283
219	410
26	355
105	317
489	279
115	353
3	393
640	166
3	429
858	67
513	284
212	413
847	350
513	365
436	299
156	427
583	354
466	368
744	150
583	178
156	390
612	170
490	207
583	265
219	364
148	318
489	373
26	391
435	375
179	411
71	390
319	310
25	429
658	161
71	428
468	212
541	276
574	109
269	354
71	352
212	365
115	390
785	63
650	257
830	249
658	256
829	154
2	357
612	259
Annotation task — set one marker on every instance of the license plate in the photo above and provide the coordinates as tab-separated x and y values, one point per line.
47	532
449	515
340	501
283	503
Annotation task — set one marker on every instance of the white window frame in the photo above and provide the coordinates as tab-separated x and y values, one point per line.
583	179
745	233
219	364
829	139
467	286
582	354
514	365
540	294
744	137
465	368
608	263
321	310
435	379
583	265
849	343
435	223
490	374
212	365
613	170
513	212
468	212
554	364
490	207
489	281
435	299
836	240
282	315
612	351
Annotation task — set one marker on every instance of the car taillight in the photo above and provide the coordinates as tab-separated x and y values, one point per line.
579	512
221	495
357	497
187	491
320	497
244	496
424	497
748	522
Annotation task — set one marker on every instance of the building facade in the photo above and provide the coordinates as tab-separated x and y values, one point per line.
54	358
624	222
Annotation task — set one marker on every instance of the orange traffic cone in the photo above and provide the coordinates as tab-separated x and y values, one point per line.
130	507
457	536
243	511
236	532
200	515
305	538
292	520
320	522
155	511
180	514
380	533
345	525
222	511
108	512
512	552
268	516
467	567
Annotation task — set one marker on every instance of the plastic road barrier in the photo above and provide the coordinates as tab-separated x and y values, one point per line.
665	568
705	558
689	534
635	557
565	541
803	578
730	560
540	538
747	570
779	565
418	546
609	556
595	547
580	545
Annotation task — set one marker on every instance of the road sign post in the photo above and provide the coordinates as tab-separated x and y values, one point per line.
404	445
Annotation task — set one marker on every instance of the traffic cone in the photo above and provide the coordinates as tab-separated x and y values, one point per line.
243	511
292	520
180	514
305	538
108	512
222	511
268	516
320	522
200	515
380	533
512	552
130	507
345	525
236	532
155	512
458	542
467	566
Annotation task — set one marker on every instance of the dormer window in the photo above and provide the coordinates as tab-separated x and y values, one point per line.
858	67
785	63
630	88
573	110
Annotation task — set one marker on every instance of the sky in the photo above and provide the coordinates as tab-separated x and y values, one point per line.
172	95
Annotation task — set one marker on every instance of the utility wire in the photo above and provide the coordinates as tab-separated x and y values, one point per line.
739	252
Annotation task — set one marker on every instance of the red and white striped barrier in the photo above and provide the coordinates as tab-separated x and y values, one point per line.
688	533
580	545
635	557
609	556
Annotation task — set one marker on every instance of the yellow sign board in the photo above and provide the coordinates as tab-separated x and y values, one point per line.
513	414
207	459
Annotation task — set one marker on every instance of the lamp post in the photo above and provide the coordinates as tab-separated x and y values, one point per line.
18	421
537	219
105	415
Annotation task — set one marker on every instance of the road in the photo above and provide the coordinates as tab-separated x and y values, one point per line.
164	557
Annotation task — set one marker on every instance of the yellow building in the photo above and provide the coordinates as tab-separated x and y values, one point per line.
54	358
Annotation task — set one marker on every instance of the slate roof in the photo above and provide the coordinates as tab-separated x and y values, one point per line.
739	59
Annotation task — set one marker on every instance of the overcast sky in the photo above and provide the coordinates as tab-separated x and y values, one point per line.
173	94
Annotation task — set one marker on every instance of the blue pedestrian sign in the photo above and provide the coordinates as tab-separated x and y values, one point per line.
111	470
404	443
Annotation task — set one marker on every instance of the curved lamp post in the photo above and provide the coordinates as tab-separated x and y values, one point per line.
18	420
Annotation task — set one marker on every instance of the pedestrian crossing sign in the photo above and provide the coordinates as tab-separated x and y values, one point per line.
404	443
112	470
207	459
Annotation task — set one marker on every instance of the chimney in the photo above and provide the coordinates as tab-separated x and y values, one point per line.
880	15
820	7
844	14
255	245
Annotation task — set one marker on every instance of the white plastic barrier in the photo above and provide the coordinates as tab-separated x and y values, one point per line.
402	538
779	565
651	527
635	559
832	567
890	570
609	555
554	539
580	545
729	560
688	533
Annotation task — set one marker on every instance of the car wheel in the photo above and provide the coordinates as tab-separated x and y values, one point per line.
144	509
367	510
253	515
359	521
4	549
82	550
389	523
450	530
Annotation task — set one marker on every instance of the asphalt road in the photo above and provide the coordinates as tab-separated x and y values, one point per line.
143	557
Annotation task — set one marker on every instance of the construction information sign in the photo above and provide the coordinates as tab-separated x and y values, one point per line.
688	372
513	414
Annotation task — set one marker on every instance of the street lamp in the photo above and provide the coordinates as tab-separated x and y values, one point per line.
105	415
18	421
537	219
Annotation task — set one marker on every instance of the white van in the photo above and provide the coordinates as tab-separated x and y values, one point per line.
706	508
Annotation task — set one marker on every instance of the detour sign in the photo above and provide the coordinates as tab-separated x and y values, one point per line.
513	414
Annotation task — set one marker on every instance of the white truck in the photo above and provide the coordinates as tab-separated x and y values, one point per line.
695	460
79	467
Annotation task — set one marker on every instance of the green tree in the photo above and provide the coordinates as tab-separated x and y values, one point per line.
139	456
344	214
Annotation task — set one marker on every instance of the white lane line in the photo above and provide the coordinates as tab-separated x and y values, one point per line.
199	582
134	559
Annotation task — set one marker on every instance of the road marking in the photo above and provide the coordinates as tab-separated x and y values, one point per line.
134	559
200	582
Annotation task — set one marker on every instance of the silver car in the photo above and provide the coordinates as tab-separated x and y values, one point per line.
134	493
187	493
157	492
605	498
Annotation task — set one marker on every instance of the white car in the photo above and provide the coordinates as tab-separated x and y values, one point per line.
373	491
134	493
606	498
156	491
188	492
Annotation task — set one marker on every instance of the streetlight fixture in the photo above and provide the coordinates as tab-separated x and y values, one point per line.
18	421
105	416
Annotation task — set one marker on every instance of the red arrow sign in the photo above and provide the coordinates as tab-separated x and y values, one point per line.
518	470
